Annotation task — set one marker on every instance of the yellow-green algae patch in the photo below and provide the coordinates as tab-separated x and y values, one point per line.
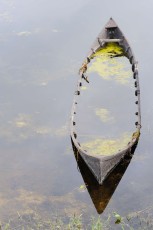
104	115
84	88
106	147
22	120
111	64
110	49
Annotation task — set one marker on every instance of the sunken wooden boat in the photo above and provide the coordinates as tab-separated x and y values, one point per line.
101	164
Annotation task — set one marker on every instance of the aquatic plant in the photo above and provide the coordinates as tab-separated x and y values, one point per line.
104	115
111	64
103	146
111	49
138	220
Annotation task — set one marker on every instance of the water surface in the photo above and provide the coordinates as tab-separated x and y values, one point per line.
42	47
105	110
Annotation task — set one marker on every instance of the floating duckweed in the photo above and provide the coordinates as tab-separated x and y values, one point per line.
104	115
110	49
107	146
22	121
84	88
82	188
111	64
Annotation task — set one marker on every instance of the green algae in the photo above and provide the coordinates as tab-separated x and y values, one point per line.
84	88
103	146
111	64
111	49
82	188
104	115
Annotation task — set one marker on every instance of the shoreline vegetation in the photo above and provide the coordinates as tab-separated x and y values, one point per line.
139	220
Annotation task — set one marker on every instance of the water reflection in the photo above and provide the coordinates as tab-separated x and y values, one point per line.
101	194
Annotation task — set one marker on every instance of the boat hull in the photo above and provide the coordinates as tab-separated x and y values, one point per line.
101	194
101	165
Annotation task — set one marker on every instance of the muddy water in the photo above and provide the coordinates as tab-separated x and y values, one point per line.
42	46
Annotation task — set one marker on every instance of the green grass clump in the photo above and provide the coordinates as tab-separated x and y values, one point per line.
141	220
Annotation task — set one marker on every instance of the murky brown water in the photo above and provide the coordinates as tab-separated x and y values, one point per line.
42	45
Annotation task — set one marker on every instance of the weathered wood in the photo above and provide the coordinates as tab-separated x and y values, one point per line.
111	40
102	165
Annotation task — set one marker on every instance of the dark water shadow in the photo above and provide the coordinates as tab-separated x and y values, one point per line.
101	194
